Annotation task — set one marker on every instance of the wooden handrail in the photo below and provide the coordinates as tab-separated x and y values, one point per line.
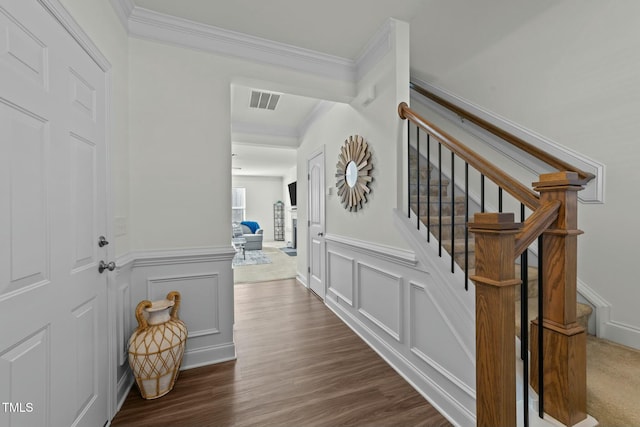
508	183
536	152
535	225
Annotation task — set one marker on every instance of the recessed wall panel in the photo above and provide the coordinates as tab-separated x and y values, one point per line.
379	298
84	200
86	338
340	271
199	300
428	324
83	95
26	141
316	253
22	51
123	322
24	368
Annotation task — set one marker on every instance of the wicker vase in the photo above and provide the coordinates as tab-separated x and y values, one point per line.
157	346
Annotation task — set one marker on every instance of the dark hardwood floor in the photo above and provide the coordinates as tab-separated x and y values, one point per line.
298	365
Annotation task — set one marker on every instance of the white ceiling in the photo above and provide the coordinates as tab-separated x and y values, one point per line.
325	26
264	141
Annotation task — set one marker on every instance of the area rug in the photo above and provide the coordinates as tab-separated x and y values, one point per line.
250	258
290	251
282	266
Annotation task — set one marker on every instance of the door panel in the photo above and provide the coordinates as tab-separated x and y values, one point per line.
315	169
54	354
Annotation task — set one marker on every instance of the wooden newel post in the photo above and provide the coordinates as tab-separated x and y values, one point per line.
564	341
495	318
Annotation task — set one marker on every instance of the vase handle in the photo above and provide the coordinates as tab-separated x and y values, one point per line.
174	296
142	321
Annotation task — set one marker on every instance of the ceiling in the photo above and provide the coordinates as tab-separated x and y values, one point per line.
323	26
264	142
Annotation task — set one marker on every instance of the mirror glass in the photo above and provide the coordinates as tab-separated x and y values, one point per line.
351	174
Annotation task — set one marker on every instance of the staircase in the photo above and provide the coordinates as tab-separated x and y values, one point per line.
428	205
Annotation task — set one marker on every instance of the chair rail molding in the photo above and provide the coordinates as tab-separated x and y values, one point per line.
594	192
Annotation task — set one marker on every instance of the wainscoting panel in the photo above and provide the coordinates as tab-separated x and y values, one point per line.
199	293
379	295
405	311
205	281
340	277
429	324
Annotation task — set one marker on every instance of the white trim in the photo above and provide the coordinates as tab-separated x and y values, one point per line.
377	47
397	335
606	328
182	256
156	26
388	253
205	356
123	9
150	25
71	26
124	385
593	192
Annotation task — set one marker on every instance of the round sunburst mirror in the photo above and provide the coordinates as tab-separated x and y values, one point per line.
353	173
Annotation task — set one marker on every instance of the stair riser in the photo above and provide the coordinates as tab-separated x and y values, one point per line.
433	208
424	192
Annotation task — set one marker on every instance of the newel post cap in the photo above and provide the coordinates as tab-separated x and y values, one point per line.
494	221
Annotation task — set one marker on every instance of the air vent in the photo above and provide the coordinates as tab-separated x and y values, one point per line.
264	100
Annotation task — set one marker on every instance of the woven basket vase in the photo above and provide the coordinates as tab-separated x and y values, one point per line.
157	346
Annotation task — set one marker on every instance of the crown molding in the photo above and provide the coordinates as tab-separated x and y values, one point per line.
123	9
377	47
150	25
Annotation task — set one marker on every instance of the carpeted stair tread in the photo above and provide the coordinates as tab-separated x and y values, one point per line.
583	311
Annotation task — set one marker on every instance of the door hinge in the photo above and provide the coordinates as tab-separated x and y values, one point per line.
309	269
309	176
309	223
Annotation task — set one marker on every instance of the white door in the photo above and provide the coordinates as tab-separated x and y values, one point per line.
53	340
315	168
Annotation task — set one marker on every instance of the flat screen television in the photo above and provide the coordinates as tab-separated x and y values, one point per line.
292	193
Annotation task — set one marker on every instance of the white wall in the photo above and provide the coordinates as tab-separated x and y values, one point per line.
101	24
569	71
180	139
381	127
261	193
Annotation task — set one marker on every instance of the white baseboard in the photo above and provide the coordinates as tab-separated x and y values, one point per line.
124	386
302	279
208	356
606	328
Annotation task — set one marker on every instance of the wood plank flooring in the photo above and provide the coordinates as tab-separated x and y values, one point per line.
298	365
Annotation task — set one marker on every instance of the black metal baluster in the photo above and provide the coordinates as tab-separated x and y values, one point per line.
466	226
482	193
524	325
428	187
440	200
453	211
418	197
499	199
540	330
